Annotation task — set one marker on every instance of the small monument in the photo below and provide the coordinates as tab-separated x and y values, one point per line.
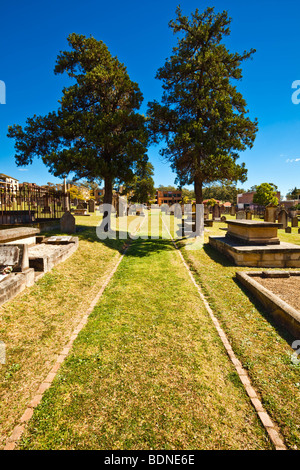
67	223
256	244
216	212
270	213
283	218
92	205
232	210
240	215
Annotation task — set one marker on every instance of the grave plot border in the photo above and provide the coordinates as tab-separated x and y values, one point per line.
283	313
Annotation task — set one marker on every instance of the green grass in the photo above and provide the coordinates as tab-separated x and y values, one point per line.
36	325
148	371
262	346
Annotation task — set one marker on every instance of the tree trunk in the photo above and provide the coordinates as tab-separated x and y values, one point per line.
199	200
108	195
198	191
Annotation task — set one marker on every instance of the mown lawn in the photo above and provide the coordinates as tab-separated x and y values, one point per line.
262	346
148	371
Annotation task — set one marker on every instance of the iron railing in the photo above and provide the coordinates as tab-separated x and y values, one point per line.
31	204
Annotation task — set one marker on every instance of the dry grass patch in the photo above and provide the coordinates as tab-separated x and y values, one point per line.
36	325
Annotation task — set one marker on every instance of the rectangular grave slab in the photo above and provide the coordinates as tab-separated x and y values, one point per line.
254	232
59	240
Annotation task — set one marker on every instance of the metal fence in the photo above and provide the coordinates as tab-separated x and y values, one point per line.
31	204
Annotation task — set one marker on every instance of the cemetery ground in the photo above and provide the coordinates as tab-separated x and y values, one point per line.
148	371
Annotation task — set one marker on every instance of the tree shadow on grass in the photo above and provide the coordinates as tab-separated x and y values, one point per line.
217	256
138	247
146	247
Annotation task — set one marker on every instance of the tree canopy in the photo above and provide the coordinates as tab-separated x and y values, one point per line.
202	118
97	132
142	190
266	193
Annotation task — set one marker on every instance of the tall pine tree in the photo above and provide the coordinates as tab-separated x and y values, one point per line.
97	132
202	118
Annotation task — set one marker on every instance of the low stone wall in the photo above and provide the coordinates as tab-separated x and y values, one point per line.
43	257
283	313
285	255
15	283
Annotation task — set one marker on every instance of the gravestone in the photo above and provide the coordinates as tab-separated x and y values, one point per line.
82	205
248	215
67	223
270	213
216	211
283	218
288	229
240	215
92	205
232	210
294	221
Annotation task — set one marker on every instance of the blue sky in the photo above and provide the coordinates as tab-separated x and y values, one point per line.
33	32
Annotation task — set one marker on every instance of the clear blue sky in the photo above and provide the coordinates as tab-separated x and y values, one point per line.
33	32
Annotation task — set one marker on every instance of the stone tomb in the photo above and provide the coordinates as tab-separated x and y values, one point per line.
253	232
15	273
256	244
44	256
26	235
22	261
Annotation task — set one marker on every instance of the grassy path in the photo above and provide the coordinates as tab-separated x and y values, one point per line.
148	371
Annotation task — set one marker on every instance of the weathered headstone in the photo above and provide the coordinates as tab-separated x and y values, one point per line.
288	229
216	211
283	218
248	215
82	205
240	215
294	221
270	213
92	205
232	210
67	223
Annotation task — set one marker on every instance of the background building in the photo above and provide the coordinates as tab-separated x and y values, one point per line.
9	183
245	200
168	197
